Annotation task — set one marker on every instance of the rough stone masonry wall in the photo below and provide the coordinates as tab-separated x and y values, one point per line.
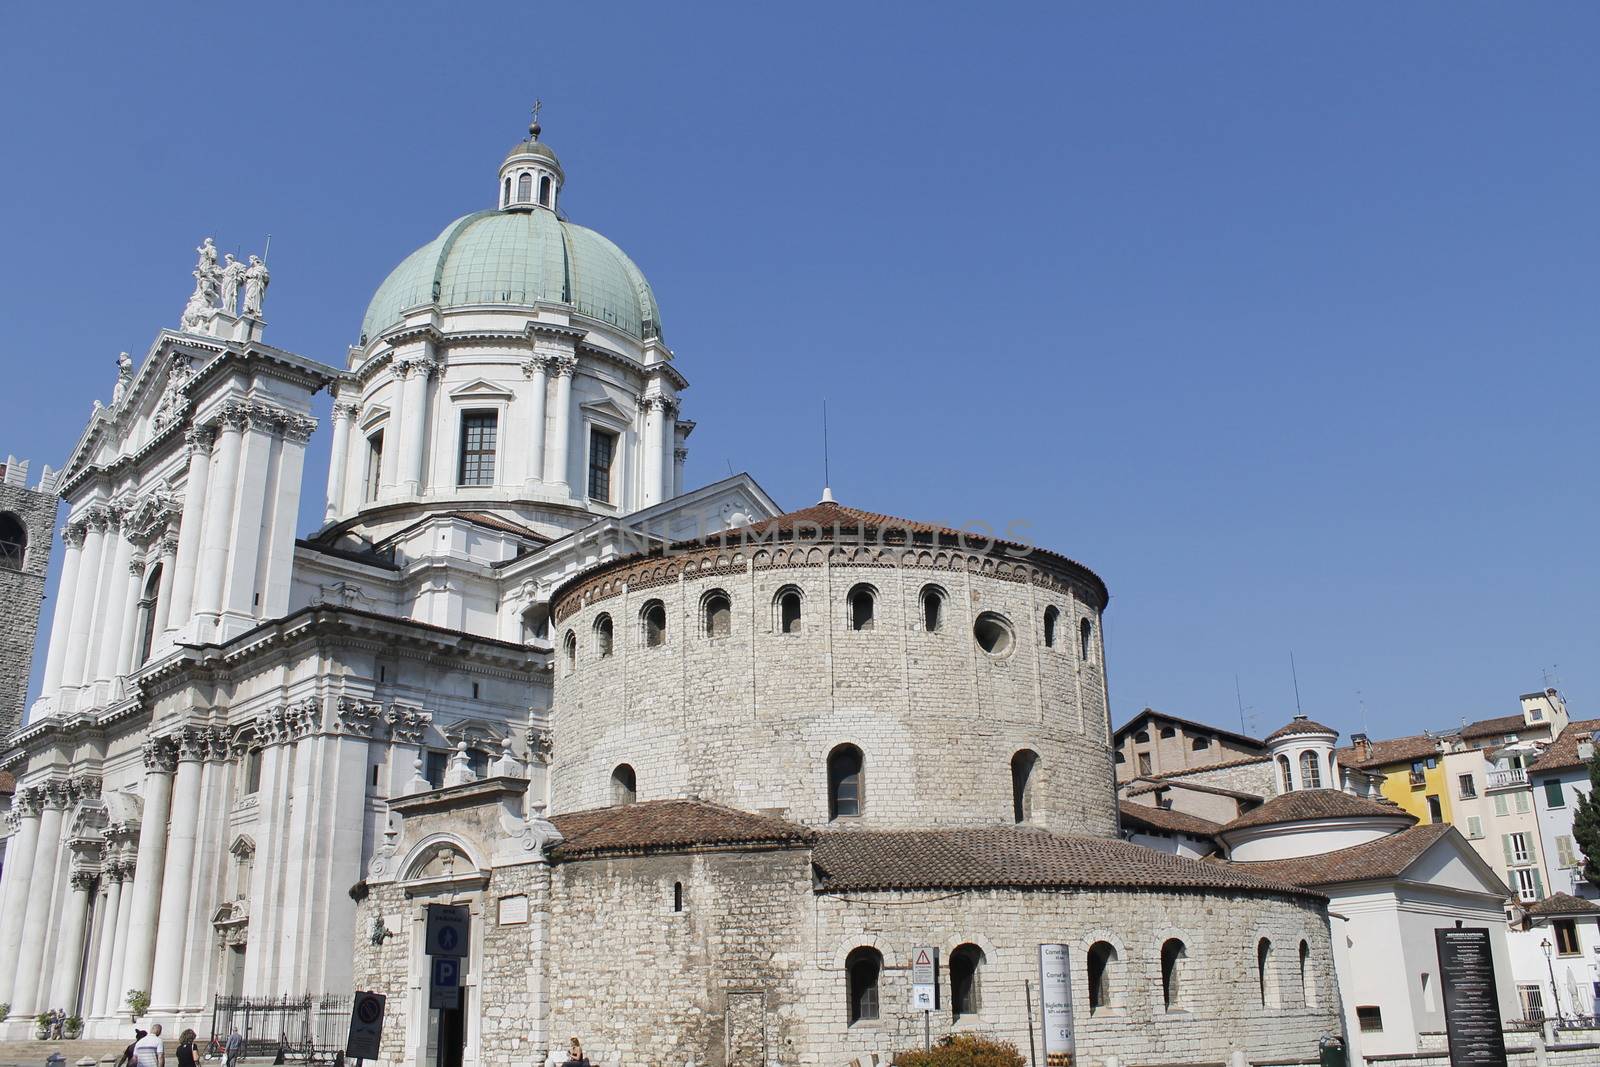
1220	1006
748	719
717	983
21	597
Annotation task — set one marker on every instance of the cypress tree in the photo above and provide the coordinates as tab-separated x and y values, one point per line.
1586	824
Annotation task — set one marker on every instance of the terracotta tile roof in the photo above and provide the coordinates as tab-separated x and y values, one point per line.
669	825
1150	714
495	522
8	783
1146	816
1505	724
1394	750
1152	784
1563	904
1301	725
1305	805
1562	753
1011	857
1243	761
1387	857
836	521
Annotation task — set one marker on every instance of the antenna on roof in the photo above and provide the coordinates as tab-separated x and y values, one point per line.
1363	702
267	251
827	477
1296	675
1239	698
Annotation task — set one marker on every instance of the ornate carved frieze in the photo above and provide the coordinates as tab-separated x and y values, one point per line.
360	717
407	726
150	515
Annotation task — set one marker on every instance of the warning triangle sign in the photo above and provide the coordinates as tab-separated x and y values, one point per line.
922	958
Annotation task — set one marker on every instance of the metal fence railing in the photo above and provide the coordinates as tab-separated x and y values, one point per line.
304	1029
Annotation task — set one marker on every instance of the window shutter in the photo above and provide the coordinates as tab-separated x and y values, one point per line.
1538	885
1500	804
1564	854
1505	840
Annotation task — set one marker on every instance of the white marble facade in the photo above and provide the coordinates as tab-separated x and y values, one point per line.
227	708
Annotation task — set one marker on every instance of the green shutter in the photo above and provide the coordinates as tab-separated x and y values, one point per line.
1553	797
1538	884
1500	804
1505	840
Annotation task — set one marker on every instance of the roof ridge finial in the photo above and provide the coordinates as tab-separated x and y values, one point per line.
534	129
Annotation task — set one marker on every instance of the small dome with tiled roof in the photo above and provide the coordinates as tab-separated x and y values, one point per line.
1301	725
1313	805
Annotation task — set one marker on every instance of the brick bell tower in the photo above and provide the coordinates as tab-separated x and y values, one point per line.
27	522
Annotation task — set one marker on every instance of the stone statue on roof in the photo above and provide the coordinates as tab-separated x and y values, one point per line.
255	286
207	284
232	275
124	378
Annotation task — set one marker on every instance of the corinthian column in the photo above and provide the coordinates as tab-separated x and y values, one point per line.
650	489
415	421
564	368
69	949
113	605
177	879
169	566
537	368
212	577
344	417
190	526
110	937
83	597
116	988
26	808
160	758
130	617
679	456
666	477
61	621
26	987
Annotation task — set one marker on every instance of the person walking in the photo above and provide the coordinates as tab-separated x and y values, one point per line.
234	1047
186	1056
150	1050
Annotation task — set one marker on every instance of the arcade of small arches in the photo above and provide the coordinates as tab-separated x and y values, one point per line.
992	630
1106	974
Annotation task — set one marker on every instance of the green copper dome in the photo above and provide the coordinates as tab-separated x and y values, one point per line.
517	258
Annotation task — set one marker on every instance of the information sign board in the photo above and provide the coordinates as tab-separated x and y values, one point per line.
444	988
366	1027
1055	1006
448	926
1471	1001
925	978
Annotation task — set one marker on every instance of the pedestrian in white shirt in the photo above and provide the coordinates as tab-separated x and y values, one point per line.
149	1051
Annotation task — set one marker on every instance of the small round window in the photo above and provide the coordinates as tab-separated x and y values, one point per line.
993	633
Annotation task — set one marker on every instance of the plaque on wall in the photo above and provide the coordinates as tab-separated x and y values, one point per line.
1471	999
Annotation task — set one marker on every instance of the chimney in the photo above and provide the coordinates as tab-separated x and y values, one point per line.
1363	746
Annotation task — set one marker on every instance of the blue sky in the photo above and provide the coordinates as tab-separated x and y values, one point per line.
1281	317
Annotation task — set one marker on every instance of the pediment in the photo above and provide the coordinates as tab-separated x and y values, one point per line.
475	732
373	414
481	389
606	408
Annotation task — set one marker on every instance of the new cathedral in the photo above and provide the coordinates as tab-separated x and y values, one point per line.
699	774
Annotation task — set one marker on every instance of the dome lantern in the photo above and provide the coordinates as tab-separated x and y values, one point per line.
531	177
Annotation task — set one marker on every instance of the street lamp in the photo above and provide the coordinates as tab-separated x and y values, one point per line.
1555	995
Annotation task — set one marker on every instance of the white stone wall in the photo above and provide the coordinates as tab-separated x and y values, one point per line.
748	719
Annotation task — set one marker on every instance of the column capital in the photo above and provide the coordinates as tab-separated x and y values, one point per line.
74	533
536	364
359	717
680	454
160	755
194	744
564	366
57	794
28	802
100	516
346	411
541	743
218	750
169	545
84	786
426	366
407	725
83	880
199	439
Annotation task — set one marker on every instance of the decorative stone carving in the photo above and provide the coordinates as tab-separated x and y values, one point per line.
459	771
119	392
57	794
207	282
84	786
217	745
194	744
174	402
535	363
345	594
149	516
160	755
200	439
541	744
83	880
73	533
232	276
27	803
359	717
256	278
565	366
407	726
383	856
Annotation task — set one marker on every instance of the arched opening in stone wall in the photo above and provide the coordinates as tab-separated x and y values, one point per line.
1264	973
992	631
966	996
863	606
862	969
653	619
717	609
932	609
624	785
846	782
1173	953
1085	640
1308	982
1101	959
524	188
569	651
1023	765
787	607
1310	771
1052	615
536	623
13	542
604	635
149	602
